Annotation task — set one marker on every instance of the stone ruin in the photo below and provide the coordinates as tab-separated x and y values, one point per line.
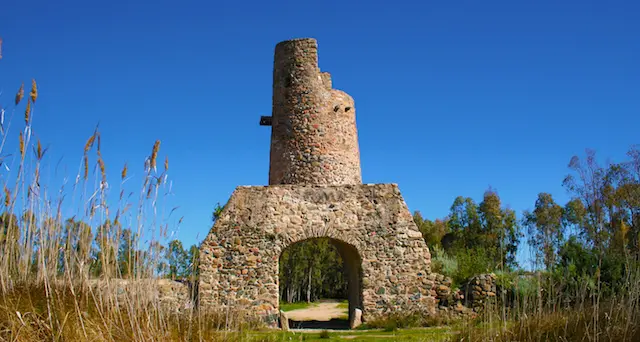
315	190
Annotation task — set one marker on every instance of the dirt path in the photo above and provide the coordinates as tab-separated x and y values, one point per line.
323	311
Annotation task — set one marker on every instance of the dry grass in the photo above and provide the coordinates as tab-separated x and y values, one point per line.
35	313
59	274
592	324
536	317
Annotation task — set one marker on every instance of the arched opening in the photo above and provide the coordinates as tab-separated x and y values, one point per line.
320	284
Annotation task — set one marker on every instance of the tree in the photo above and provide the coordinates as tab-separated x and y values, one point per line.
587	186
105	251
177	260
9	243
499	230
432	231
545	228
603	215
486	230
193	257
126	253
77	237
311	269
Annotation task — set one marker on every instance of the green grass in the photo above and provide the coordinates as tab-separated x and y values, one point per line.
344	304
422	334
295	306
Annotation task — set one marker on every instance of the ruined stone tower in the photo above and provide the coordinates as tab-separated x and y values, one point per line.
315	190
314	139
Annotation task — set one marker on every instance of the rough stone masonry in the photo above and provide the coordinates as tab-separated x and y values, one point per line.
315	190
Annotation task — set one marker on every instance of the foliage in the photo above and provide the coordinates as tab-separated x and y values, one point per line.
473	238
284	306
217	211
310	270
590	324
432	231
587	255
471	262
545	228
343	305
399	320
443	263
56	269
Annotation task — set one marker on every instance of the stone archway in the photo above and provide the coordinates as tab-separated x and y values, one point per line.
351	270
239	258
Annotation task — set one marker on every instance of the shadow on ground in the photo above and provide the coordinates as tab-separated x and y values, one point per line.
334	324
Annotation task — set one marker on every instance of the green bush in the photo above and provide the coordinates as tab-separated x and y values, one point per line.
443	263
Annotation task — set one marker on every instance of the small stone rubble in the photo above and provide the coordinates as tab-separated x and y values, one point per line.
480	290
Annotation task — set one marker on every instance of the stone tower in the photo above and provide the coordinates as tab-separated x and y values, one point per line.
314	139
315	191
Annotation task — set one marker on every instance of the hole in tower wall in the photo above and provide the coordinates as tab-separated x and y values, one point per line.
320	283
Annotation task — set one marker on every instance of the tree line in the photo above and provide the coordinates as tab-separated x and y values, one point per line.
591	244
107	250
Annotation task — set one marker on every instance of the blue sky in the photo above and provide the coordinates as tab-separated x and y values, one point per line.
452	96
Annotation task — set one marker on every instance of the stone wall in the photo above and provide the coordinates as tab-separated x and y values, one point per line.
314	139
448	302
386	257
479	290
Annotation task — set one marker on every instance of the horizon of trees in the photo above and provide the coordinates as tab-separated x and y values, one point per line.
592	239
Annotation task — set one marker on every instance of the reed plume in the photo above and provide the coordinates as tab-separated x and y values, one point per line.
89	143
124	172
34	91
103	173
27	112
86	166
20	94
7	197
21	145
154	154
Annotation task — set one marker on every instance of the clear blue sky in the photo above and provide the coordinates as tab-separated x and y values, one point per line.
452	96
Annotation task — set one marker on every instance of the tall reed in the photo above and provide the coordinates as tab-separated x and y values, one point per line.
540	306
76	262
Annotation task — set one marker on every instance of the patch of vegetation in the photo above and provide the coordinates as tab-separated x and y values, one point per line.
296	306
424	334
443	263
310	270
561	325
396	321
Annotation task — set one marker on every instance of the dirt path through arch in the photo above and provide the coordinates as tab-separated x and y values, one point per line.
326	310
